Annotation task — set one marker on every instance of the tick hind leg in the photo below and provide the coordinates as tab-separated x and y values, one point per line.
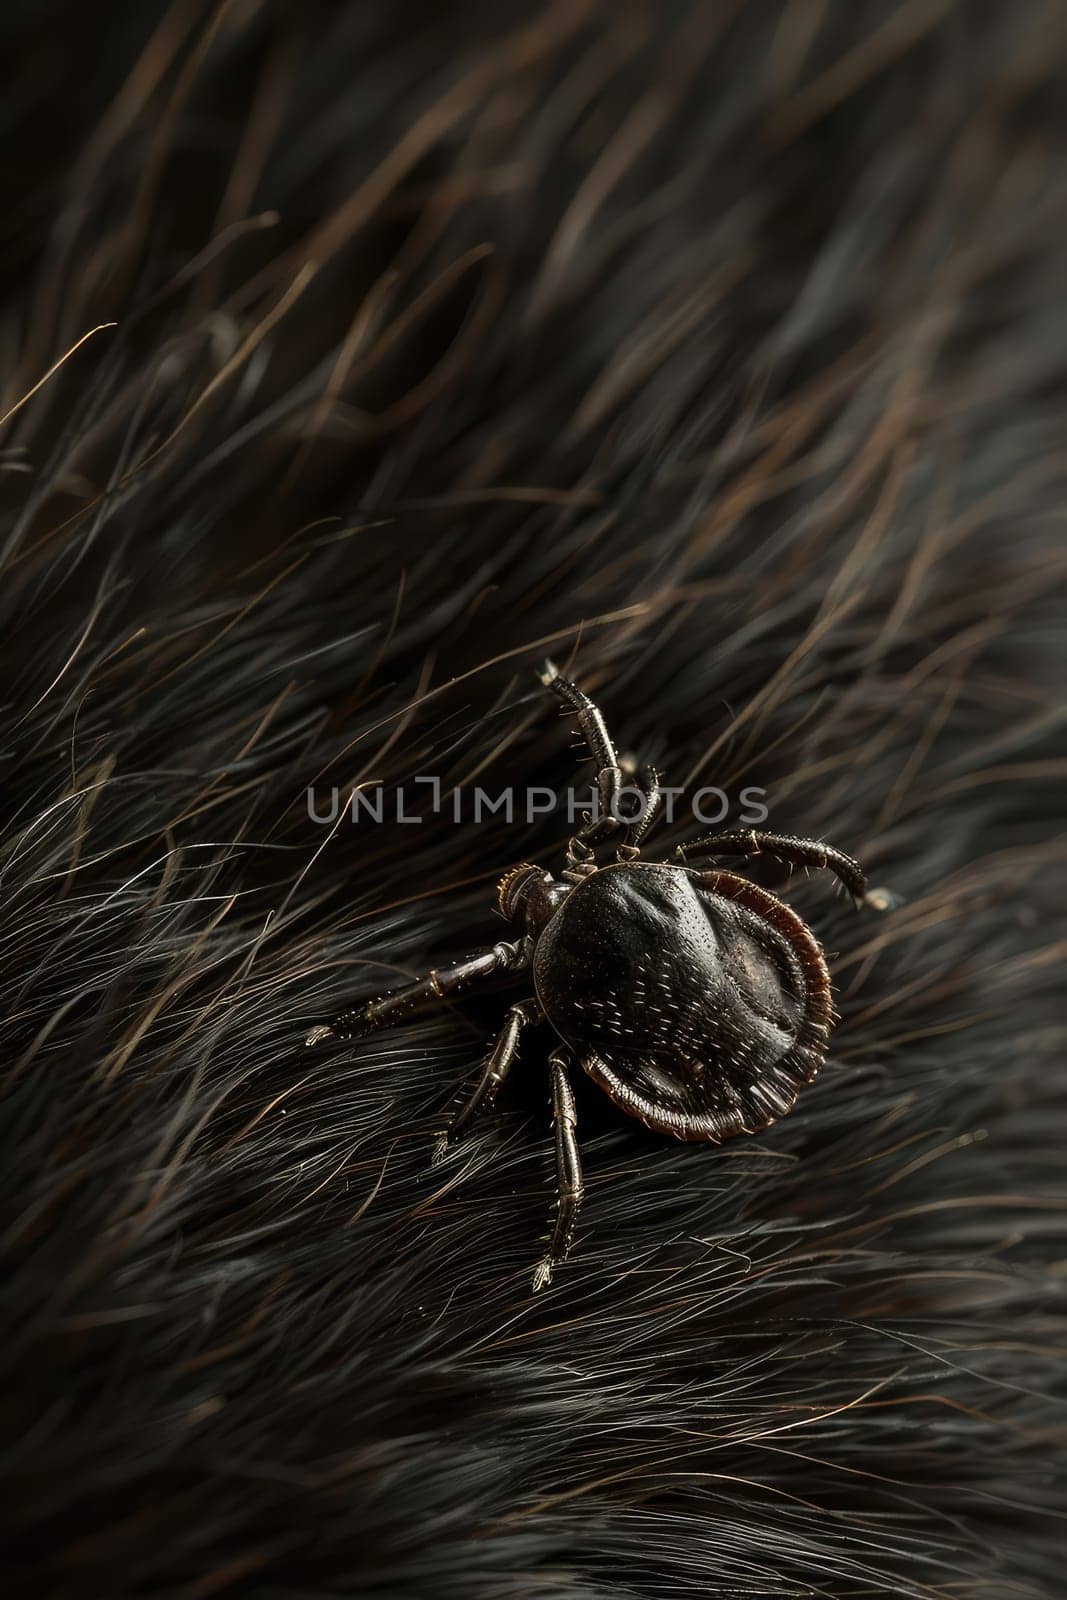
440	984
569	1186
497	1066
786	847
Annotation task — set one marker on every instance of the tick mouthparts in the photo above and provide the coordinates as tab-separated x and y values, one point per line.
510	886
317	1034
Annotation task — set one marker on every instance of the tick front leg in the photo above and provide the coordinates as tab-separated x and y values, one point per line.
440	984
652	795
496	1069
798	852
605	824
569	1186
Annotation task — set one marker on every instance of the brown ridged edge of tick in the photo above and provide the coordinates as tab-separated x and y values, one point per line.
801	1063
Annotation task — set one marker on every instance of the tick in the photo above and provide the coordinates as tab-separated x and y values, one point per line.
698	1001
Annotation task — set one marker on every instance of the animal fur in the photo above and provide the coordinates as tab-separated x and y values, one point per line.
719	351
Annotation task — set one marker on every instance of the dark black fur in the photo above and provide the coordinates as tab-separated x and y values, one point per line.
720	351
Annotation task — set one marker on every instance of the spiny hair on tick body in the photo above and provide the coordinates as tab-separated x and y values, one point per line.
356	357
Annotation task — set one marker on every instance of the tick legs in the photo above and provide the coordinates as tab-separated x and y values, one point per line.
497	1066
604	824
798	852
437	985
569	1185
649	784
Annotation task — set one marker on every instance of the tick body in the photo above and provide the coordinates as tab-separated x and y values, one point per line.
699	1002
